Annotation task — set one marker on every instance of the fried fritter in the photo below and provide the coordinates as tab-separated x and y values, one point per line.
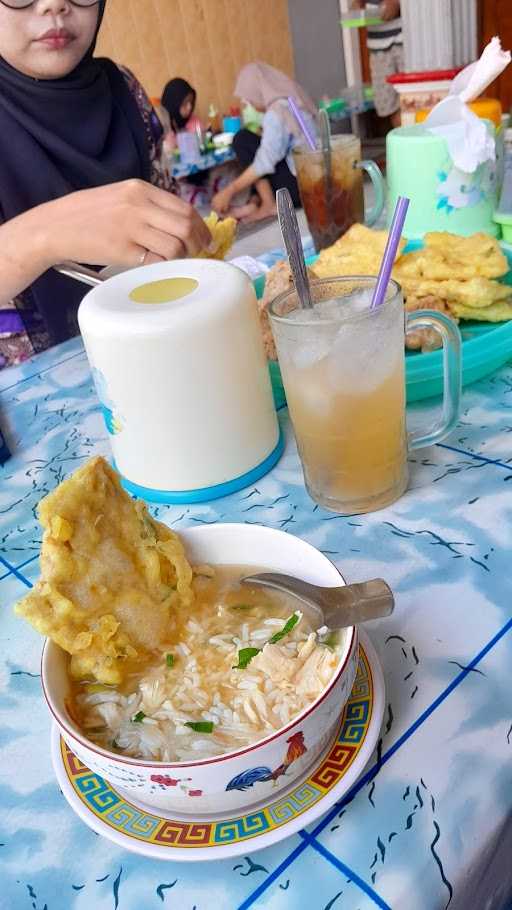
496	312
481	252
358	252
223	232
110	575
476	292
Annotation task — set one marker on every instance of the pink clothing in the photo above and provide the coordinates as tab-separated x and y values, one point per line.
192	125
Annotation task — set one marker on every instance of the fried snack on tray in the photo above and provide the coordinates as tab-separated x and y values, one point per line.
446	256
501	311
110	575
223	232
477	292
358	252
480	252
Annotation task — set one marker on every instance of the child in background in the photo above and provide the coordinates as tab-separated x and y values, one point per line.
179	101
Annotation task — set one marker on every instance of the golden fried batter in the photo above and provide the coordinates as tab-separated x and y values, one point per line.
358	252
223	235
476	292
481	252
110	575
496	312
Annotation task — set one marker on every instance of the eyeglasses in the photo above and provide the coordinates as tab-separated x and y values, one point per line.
24	4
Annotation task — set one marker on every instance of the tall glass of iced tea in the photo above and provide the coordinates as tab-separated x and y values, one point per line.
334	203
343	370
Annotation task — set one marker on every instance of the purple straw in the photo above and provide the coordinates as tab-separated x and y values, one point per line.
388	260
302	123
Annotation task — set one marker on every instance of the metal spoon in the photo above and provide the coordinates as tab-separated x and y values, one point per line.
336	608
80	272
293	244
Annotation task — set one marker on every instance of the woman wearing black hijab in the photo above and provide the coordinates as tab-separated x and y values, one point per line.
80	174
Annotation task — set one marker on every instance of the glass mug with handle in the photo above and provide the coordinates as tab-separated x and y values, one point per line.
343	369
333	204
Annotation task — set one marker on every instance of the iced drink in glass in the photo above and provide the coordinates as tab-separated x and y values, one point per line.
334	204
343	371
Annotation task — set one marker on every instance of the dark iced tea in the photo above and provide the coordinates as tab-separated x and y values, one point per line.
329	218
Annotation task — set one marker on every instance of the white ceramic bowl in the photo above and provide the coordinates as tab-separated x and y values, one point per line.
206	782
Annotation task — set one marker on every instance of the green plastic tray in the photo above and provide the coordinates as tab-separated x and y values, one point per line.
485	347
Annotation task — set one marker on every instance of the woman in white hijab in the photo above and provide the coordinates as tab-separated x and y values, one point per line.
266	159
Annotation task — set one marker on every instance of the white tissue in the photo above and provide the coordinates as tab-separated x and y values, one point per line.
474	79
467	137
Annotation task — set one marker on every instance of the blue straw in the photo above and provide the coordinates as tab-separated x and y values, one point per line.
388	260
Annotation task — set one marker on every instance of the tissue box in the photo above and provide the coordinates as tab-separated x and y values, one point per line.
443	198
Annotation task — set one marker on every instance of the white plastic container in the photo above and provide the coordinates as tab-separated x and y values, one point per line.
418	91
178	361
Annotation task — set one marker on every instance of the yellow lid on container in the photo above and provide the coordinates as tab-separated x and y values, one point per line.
486	108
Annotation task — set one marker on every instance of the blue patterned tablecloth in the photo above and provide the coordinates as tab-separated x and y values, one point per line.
429	825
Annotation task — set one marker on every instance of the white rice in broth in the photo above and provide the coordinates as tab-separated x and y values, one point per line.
194	681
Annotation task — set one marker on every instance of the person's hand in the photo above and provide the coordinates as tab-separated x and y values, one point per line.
120	224
222	200
389	9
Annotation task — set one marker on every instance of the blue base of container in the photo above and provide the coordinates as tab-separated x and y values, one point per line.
205	494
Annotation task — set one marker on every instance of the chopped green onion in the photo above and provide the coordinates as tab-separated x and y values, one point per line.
169	659
245	655
138	717
200	726
288	626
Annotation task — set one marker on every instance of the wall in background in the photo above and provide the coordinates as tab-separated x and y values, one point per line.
317	46
204	41
495	18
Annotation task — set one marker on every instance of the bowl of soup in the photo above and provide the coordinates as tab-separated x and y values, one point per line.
244	698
